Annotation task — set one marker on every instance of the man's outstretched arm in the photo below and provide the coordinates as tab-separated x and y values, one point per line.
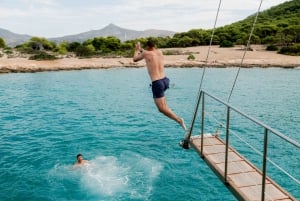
138	53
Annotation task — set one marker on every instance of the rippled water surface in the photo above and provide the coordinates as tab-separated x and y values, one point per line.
47	118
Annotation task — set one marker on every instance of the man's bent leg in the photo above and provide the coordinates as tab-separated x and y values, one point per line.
162	106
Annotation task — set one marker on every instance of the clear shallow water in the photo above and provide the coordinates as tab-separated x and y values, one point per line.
109	116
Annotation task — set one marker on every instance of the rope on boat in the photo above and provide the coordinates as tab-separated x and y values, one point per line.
248	45
185	143
243	58
210	44
189	133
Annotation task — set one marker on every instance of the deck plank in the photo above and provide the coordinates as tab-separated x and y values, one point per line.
244	179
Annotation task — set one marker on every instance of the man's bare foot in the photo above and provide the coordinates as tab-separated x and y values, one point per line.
182	124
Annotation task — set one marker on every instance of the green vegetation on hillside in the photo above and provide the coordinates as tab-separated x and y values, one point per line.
42	56
2	43
277	27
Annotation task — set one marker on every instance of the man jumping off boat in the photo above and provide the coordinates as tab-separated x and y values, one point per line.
160	83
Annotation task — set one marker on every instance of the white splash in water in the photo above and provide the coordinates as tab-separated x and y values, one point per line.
105	176
129	174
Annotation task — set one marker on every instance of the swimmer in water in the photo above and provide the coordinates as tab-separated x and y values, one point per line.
80	160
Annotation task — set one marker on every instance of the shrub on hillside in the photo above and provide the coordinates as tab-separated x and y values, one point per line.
42	56
293	50
171	52
226	43
191	57
272	48
2	43
85	50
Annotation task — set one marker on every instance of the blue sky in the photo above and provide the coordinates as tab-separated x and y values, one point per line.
54	18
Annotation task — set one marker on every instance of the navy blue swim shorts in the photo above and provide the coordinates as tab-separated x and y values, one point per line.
159	87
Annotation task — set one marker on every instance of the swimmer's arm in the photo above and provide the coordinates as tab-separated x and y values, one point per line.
78	164
75	166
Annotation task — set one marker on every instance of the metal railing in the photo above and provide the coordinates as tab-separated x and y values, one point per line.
229	108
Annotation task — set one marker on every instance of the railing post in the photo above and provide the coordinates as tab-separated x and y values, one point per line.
227	144
185	142
202	125
264	165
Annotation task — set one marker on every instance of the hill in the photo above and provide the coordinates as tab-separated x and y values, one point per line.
287	13
13	39
279	25
113	30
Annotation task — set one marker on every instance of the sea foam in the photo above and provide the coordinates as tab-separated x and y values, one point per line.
127	175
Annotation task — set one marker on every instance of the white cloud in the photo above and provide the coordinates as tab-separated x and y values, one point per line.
11	12
41	2
60	17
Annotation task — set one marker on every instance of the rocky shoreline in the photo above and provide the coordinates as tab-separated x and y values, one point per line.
217	57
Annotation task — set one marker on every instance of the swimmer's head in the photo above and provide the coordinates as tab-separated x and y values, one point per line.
79	158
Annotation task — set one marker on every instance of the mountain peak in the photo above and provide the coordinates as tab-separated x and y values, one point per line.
111	29
111	25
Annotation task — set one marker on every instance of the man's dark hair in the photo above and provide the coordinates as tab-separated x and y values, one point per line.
150	43
78	155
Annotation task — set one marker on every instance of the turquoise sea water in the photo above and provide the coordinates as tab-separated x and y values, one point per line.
47	118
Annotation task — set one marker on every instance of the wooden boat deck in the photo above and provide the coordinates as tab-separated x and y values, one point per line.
243	178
